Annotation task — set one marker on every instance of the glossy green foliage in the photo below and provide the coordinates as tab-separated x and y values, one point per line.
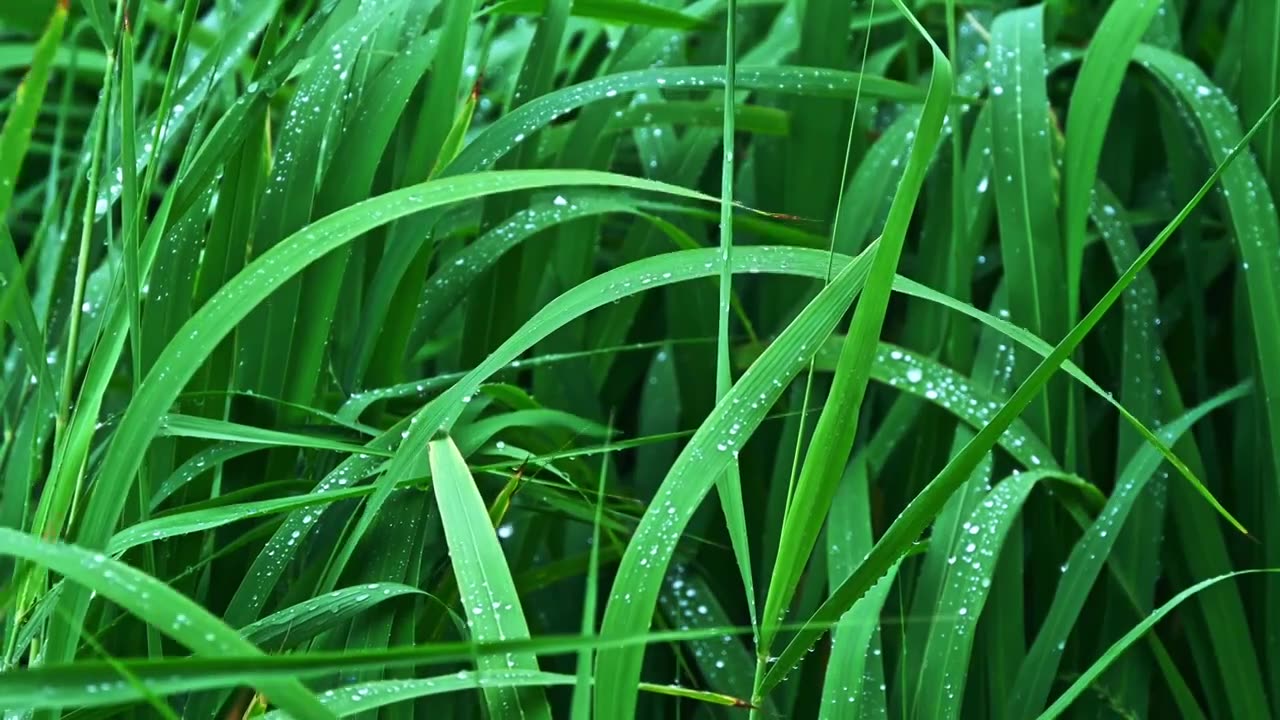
379	358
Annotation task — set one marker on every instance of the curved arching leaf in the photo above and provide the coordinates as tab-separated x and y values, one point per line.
202	333
160	605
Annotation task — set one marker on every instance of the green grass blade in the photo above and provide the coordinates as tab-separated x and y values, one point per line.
965	589
1086	678
582	700
729	485
487	592
1043	349
927	379
20	119
173	675
1029	244
365	697
846	692
688	602
616	12
1253	220
176	425
834	433
450	283
185	522
297	624
1093	98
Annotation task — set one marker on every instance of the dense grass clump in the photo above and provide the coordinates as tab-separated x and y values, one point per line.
639	358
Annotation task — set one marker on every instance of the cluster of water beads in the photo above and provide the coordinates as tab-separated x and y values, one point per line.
680	599
1214	120
448	285
954	392
379	693
308	120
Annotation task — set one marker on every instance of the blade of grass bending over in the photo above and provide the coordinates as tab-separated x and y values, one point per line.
748	118
1092	100
202	333
729	484
298	623
619	12
176	425
449	284
1087	678
834	433
207	518
368	696
919	513
485	587
966	399
734	419
506	133
159	605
